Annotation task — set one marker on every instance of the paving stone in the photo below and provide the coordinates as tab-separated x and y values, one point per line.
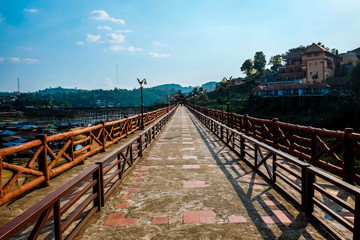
160	220
283	216
187	157
122	205
190	166
199	217
135	183
114	219
127	196
132	189
270	219
127	221
236	219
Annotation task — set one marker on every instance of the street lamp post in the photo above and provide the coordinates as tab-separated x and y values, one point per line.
142	103
228	99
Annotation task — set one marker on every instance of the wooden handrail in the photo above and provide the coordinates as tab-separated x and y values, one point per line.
306	143
308	174
92	139
78	204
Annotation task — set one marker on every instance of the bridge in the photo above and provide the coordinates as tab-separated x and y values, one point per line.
190	176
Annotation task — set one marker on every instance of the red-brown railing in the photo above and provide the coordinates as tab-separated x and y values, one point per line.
51	155
333	151
305	185
63	213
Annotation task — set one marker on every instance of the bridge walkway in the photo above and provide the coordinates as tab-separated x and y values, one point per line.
189	185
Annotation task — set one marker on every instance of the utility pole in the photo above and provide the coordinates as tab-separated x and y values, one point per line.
18	85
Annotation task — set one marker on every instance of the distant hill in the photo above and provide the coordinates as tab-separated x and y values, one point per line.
59	90
67	97
174	88
209	86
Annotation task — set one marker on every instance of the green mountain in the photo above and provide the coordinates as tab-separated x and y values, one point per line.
64	97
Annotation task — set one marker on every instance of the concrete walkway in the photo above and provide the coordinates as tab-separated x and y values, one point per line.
190	186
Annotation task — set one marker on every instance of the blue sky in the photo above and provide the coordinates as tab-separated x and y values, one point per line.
48	43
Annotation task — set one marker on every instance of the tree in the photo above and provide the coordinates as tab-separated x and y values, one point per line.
247	67
203	98
300	48
259	62
275	61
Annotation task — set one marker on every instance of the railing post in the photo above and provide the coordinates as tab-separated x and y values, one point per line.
274	132
140	145
255	153
242	146
97	188
126	127
57	220
274	167
356	232
348	152
246	127
102	190
303	187
43	166
313	147
221	132
309	193
103	136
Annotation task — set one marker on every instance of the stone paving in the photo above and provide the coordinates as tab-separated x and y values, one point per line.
189	185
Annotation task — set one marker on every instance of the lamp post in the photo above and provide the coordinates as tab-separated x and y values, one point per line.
142	103
228	99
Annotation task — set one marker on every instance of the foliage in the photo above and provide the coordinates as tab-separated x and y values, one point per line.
247	67
275	61
300	48
259	62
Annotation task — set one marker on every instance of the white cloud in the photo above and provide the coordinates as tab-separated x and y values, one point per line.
104	28
31	10
117	48
14	59
93	38
123	31
101	15
80	43
108	83
29	60
158	55
1	59
23	60
116	38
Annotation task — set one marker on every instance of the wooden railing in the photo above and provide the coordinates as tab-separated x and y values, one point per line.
294	178
63	213
334	151
52	155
